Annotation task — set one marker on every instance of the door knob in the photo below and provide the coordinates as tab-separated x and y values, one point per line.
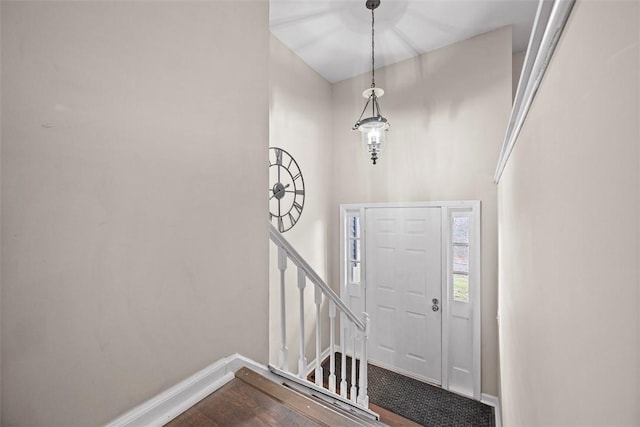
435	307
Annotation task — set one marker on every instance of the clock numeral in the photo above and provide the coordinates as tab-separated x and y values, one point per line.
292	219
278	156
298	207
300	192
297	176
280	225
290	161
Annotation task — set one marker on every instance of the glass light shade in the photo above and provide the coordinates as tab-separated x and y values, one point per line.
374	130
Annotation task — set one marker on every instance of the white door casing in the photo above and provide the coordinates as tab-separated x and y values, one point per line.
460	342
403	273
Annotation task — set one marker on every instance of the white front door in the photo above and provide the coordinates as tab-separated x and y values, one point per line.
403	278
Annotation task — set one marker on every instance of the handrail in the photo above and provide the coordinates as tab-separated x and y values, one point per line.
297	259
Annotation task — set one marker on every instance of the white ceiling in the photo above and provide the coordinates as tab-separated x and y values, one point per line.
334	36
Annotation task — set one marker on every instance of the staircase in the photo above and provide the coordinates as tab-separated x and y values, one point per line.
351	326
251	399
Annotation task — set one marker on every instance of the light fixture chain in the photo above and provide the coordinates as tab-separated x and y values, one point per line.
373	50
372	128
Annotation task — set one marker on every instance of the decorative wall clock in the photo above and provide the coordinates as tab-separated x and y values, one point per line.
286	192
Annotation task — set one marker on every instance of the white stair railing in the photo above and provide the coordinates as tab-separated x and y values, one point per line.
357	395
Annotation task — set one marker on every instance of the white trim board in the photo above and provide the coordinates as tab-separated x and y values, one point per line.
551	18
167	405
433	204
494	401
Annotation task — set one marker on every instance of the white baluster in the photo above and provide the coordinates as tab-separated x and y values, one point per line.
363	396
282	266
353	393
318	373
302	361
343	364
332	355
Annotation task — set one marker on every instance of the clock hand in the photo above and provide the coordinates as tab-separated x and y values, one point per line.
279	191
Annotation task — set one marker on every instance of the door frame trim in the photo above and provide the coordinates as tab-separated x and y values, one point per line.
476	285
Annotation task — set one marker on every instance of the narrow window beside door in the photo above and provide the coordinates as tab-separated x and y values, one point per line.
353	245
460	257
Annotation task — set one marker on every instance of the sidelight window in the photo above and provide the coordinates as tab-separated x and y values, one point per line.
460	255
354	254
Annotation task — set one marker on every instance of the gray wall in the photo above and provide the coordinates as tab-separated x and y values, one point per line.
134	145
448	111
569	226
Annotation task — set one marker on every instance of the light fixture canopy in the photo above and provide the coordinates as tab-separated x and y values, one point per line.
372	129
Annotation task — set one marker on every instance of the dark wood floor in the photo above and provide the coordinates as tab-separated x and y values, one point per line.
252	400
391	419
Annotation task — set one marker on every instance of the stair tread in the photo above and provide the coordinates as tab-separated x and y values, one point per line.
317	411
253	400
240	404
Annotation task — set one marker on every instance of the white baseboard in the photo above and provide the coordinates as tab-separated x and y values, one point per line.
237	361
167	405
491	400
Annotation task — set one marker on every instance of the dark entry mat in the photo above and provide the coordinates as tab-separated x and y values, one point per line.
420	402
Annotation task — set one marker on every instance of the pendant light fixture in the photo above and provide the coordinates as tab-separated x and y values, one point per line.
373	129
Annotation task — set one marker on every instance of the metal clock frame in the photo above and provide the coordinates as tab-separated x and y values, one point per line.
278	190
